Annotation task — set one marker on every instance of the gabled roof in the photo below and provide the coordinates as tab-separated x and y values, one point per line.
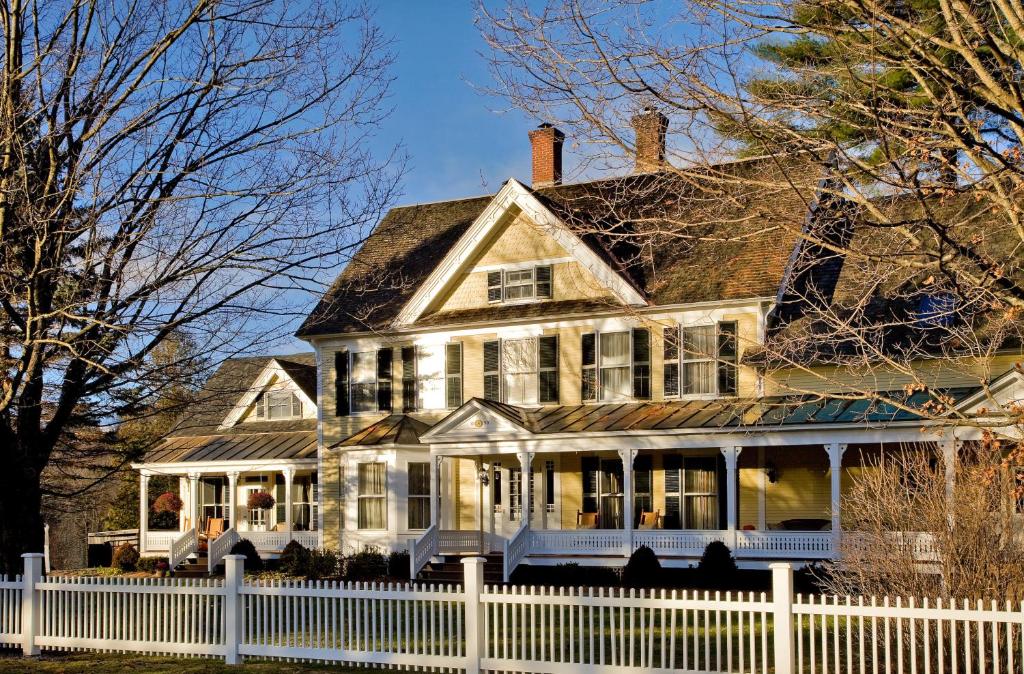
233	380
677	237
396	429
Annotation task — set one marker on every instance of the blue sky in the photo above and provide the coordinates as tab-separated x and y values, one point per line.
460	142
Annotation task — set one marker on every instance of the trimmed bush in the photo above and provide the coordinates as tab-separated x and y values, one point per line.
322	563
253	561
643	569
717	568
370	564
149	564
294	559
398	565
126	557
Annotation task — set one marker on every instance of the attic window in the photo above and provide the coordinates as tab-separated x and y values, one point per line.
516	285
273	405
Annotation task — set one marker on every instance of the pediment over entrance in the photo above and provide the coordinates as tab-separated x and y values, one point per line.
478	420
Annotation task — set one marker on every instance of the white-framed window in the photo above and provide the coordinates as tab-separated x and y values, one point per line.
516	285
419	495
701	360
522	371
364	382
274	405
691	492
616	366
515	486
371	493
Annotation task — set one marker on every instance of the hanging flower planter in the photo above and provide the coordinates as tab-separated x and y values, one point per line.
168	502
260	500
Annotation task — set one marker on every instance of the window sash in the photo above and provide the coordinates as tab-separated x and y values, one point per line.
519	285
418	506
363	384
614	366
691	493
372	496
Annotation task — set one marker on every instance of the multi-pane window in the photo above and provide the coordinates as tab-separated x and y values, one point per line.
496	486
616	365
549	486
364	382
691	493
271	405
603	490
701	360
372	495
304	502
453	374
419	496
643	487
613	364
515	493
214	497
513	285
522	371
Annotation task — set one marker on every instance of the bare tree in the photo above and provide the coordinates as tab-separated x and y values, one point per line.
914	112
166	168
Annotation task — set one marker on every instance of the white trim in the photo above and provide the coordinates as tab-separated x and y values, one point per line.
989	393
540	262
513	193
257	465
272	369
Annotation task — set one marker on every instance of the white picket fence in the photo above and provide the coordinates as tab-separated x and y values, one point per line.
473	627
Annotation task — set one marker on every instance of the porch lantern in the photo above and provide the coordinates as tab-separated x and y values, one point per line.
483	477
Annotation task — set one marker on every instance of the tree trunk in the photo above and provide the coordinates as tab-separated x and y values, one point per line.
21	520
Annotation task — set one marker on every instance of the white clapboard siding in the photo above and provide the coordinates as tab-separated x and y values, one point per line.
615	629
849	635
147	615
10	610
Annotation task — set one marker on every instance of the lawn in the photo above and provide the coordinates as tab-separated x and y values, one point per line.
96	663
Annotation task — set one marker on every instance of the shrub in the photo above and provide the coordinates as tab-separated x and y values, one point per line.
294	559
168	502
370	564
643	569
260	500
126	557
322	563
717	568
149	564
398	565
253	562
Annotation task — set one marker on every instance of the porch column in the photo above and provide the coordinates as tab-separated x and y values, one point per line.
835	465
232	499
143	509
627	456
193	495
289	476
435	489
525	468
732	456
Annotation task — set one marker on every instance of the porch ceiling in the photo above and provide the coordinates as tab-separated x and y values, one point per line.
235	447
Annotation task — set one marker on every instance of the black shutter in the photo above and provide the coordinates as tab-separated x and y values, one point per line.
673	464
542	277
727	353
408	378
588	346
341	407
641	363
494	286
547	352
453	374
384	358
671	361
492	367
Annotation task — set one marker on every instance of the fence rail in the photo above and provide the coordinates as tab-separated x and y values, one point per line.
474	627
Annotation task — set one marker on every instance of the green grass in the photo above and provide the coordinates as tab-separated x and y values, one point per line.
99	663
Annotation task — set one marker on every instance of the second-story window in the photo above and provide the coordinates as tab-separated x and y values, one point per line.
701	360
513	285
616	365
522	371
271	405
364	382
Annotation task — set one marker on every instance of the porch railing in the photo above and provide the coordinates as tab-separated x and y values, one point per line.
679	542
516	548
181	547
219	548
275	541
578	542
785	544
421	550
159	541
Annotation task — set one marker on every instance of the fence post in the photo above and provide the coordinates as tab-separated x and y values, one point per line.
473	587
782	597
30	604
234	568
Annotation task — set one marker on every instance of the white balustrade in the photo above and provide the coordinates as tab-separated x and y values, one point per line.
159	541
275	541
785	544
451	541
577	542
678	542
516	548
421	550
182	548
219	548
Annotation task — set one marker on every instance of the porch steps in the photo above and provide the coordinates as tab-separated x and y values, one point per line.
193	567
449	569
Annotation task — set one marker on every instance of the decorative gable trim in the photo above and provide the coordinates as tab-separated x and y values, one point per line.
474	421
1006	389
272	369
513	193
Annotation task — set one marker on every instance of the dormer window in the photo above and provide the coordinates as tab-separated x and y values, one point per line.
274	405
517	285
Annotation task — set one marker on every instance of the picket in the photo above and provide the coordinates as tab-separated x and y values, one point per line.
505	628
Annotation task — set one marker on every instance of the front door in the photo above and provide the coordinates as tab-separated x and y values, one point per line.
256	519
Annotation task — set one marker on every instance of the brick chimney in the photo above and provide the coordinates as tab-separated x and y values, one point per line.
546	142
651	127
